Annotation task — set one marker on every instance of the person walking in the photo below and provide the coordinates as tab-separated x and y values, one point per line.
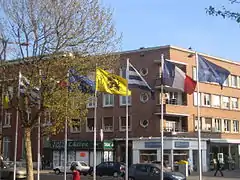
218	168
75	173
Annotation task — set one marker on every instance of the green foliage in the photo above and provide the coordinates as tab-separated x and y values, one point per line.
225	13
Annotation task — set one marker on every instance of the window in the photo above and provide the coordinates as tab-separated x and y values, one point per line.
170	126
207	124
7	119
194	73
234	81
218	125
195	101
90	124
172	98
226	82
76	126
47	118
225	102
235	126
107	124
227	125
234	103
122	123
146	156
6	144
215	100
91	102
206	99
196	123
123	100
108	100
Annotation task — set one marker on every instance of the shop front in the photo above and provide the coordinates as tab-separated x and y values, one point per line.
146	151
76	151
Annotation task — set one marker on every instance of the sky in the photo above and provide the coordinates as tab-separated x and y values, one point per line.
182	23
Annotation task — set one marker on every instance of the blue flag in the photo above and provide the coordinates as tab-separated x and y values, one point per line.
210	72
85	85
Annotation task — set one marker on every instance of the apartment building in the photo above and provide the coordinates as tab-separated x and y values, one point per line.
219	114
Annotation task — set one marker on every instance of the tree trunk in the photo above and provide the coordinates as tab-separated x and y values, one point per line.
28	148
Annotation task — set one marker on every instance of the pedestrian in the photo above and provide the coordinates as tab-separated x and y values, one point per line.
43	162
218	168
75	173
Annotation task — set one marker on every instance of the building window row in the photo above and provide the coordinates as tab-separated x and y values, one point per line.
107	124
232	80
216	101
209	124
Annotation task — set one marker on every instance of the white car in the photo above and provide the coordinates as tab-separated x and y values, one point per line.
81	166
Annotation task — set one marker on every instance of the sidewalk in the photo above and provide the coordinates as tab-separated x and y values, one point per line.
226	173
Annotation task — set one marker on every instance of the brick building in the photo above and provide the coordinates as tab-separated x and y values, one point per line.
220	115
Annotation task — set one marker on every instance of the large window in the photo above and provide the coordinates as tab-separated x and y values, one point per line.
122	123
107	124
234	103
91	102
6	146
216	101
234	81
123	100
218	125
90	124
108	100
206	99
195	99
235	126
196	123
225	102
76	126
147	156
207	124
227	125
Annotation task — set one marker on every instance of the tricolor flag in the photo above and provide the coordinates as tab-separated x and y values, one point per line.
176	78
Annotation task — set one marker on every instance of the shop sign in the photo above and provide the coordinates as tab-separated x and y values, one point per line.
181	144
75	144
153	144
108	145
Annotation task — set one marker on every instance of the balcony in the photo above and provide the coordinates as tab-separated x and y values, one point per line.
175	125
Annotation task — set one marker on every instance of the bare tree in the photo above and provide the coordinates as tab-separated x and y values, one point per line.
45	32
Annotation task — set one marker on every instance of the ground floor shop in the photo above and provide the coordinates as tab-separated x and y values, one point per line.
80	151
174	151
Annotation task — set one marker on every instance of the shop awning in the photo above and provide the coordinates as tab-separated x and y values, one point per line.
225	141
173	114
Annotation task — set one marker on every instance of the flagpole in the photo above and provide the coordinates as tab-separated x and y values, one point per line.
95	132
39	130
16	131
126	155
199	122
66	136
162	151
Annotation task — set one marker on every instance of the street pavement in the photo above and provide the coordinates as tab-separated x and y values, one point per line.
228	175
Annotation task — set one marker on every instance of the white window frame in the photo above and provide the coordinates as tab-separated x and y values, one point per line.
109	96
122	100
234	79
226	125
205	126
194	75
170	126
47	119
107	128
208	99
87	128
123	128
6	144
235	101
91	102
7	120
196	123
195	99
74	129
218	125
223	103
235	126
213	97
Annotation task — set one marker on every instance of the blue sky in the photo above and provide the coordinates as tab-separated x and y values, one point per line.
183	23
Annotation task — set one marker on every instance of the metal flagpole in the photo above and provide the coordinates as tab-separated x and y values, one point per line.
16	131
39	130
66	136
126	155
199	122
95	132
162	68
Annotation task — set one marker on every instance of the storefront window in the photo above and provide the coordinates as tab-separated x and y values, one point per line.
147	156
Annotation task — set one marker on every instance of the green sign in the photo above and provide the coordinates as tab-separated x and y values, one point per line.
108	144
75	144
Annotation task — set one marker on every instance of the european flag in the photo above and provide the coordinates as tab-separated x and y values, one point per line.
85	85
210	72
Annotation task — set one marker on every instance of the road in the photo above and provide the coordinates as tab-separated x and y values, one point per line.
228	175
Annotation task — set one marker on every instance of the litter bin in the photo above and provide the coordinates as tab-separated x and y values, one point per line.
183	167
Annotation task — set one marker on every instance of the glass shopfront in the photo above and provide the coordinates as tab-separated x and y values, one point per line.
147	156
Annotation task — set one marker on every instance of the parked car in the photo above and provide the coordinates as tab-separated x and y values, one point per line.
81	166
109	169
7	171
152	172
